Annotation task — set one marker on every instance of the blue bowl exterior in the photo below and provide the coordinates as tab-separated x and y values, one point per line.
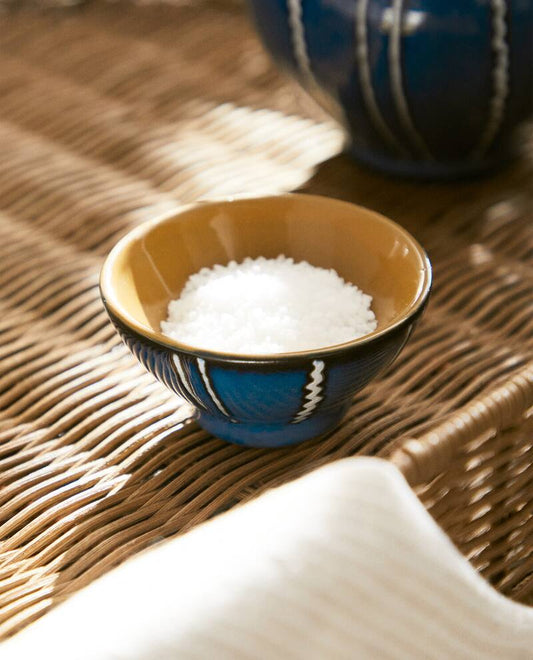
430	88
268	403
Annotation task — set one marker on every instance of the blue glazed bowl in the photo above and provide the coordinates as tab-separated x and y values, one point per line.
425	88
266	400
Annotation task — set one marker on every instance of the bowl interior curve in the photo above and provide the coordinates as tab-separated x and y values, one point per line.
150	266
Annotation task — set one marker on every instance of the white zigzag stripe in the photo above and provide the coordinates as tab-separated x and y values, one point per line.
208	386
398	94
500	77
314	389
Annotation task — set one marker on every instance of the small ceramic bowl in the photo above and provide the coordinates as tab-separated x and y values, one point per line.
278	399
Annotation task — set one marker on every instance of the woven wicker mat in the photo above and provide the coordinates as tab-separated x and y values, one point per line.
111	114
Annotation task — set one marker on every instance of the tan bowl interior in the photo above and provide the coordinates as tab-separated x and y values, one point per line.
150	266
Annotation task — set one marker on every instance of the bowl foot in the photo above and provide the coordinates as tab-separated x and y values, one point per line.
426	170
269	435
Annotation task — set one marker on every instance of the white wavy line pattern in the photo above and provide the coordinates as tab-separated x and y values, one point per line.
314	392
500	77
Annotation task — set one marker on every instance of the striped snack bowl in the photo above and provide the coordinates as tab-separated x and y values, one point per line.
276	399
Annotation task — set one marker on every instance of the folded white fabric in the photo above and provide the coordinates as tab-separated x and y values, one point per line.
343	563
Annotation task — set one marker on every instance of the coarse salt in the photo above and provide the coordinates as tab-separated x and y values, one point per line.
268	306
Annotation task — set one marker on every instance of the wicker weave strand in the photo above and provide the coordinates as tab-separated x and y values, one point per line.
112	114
424	458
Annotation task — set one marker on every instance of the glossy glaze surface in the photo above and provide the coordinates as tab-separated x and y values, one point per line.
430	88
266	400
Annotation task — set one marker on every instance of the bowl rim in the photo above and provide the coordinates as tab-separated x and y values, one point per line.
114	309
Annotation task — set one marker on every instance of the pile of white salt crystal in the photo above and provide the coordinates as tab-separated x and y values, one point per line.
268	306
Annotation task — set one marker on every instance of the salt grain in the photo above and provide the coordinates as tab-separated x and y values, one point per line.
268	306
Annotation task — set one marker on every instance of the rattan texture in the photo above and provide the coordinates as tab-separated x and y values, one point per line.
114	113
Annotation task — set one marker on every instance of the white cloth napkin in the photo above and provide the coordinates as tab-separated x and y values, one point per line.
343	563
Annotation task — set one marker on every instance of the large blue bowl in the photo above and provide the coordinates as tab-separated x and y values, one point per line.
266	400
425	88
